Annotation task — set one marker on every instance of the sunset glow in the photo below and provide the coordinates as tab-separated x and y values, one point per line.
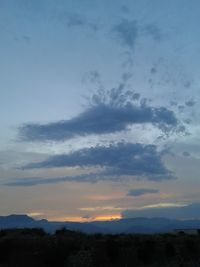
100	109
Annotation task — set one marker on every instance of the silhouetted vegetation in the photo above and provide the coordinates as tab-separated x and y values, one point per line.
34	247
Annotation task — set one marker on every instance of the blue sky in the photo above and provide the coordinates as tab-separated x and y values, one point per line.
99	107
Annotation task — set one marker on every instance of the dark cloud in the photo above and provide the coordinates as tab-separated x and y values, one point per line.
187	84
186	154
186	212
126	33
190	103
141	191
121	159
126	76
153	70
173	103
109	112
187	121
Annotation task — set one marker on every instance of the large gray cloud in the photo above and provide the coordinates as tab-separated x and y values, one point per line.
142	191
116	160
102	118
186	212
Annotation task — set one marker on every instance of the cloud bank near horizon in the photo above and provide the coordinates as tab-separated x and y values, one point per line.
191	211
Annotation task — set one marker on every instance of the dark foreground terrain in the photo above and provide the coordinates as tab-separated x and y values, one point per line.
33	247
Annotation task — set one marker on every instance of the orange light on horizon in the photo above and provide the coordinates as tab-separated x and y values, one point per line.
81	219
68	219
107	217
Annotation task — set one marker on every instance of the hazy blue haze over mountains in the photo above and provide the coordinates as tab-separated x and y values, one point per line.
132	225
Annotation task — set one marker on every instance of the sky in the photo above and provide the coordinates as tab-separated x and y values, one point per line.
100	109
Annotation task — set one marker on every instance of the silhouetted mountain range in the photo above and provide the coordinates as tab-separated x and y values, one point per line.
134	225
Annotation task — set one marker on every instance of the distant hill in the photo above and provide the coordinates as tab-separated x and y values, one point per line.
134	225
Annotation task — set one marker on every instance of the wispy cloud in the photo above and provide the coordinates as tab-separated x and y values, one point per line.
77	20
153	31
74	20
32	181
141	191
126	32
